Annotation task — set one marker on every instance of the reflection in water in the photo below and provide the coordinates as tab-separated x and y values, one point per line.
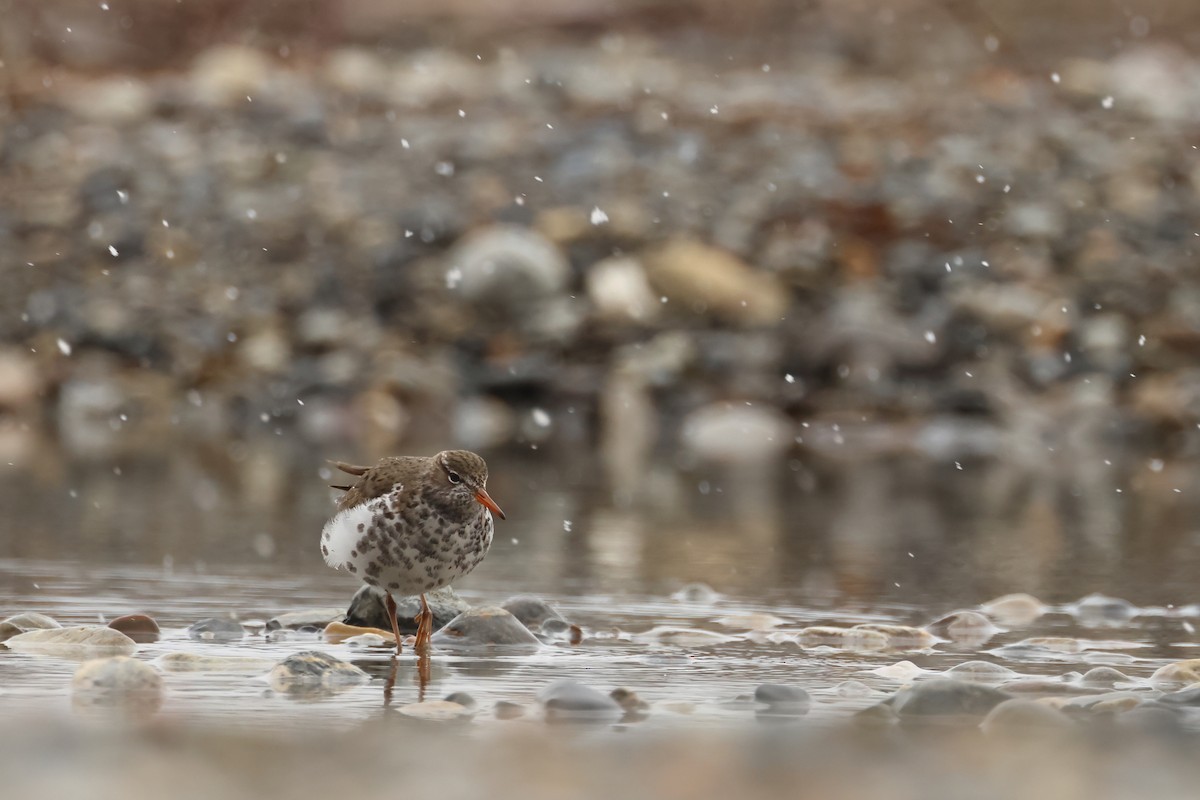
803	531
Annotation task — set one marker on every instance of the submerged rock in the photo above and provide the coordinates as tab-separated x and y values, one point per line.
531	611
195	662
77	642
118	682
681	637
1103	677
700	593
944	699
367	609
436	711
1179	674
139	627
569	701
313	672
781	701
23	623
1097	610
506	709
216	629
980	672
969	627
842	638
295	620
1024	717
485	626
900	637
1014	609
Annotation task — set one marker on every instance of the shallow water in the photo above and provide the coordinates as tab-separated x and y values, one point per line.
839	545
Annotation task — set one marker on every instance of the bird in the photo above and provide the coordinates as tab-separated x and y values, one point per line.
412	524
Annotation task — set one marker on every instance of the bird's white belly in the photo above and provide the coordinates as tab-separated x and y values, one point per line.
398	564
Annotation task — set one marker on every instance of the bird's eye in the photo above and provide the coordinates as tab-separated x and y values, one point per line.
454	478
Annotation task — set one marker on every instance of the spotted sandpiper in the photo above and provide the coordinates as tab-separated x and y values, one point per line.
410	524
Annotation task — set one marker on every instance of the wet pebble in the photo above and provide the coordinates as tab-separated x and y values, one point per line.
436	711
506	709
23	623
485	626
195	662
681	637
756	621
1189	697
945	699
506	266
561	630
315	618
1023	717
77	642
1097	610
842	638
700	593
139	627
337	632
900	637
569	701
216	629
1177	675
901	671
980	672
531	611
736	433
853	689
1102	677
314	672
1014	609
118	682
969	627
628	699
462	698
781	700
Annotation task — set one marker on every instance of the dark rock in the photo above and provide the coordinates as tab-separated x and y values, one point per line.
462	698
505	709
139	627
485	626
533	612
780	694
781	701
314	618
561	630
628	699
946	699
314	672
367	609
216	629
568	701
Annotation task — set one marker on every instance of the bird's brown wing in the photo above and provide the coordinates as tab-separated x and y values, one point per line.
376	481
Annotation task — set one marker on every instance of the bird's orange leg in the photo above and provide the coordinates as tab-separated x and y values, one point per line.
391	609
424	625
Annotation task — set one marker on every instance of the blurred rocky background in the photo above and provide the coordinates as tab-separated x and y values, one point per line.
607	232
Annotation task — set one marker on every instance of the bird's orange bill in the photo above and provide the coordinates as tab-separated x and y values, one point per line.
487	502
